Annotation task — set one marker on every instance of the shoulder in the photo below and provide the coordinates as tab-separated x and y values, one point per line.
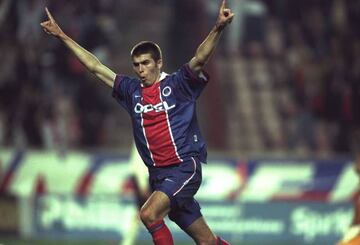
125	85
185	73
123	80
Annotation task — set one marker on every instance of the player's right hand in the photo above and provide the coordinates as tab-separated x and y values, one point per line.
50	26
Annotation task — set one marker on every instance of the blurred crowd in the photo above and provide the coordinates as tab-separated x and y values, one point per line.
48	100
306	52
311	54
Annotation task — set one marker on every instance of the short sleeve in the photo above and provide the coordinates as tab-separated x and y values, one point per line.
122	90
191	84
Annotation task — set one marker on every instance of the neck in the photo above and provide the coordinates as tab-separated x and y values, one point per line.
157	78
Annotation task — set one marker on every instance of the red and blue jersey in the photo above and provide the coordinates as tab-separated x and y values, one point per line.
163	116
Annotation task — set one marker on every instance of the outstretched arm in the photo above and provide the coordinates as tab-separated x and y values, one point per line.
88	59
206	48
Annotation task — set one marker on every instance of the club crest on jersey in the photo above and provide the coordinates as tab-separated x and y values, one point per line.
162	106
166	91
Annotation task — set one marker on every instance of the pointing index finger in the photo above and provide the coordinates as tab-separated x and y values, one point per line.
222	7
49	15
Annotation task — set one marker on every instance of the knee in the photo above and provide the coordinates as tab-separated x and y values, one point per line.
147	217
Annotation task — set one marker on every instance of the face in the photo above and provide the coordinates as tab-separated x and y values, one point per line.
147	69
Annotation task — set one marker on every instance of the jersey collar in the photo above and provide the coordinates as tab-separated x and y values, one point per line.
163	75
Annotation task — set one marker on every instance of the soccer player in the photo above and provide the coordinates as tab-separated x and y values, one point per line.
352	236
163	112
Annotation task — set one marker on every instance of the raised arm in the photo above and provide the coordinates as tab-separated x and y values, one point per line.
88	59
206	48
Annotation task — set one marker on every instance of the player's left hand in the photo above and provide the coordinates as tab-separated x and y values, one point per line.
225	15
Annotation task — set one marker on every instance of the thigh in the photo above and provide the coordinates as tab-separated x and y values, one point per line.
200	231
182	180
157	205
185	211
180	183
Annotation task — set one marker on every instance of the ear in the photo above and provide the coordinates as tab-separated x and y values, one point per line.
159	64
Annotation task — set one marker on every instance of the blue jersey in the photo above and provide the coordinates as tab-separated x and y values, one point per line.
163	116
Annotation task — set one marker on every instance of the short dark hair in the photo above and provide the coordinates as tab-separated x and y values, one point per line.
147	47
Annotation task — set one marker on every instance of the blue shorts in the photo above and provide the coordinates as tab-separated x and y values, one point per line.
180	183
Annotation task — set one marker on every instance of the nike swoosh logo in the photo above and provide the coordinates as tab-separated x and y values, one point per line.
167	179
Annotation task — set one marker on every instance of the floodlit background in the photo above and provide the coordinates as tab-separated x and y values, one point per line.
280	117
